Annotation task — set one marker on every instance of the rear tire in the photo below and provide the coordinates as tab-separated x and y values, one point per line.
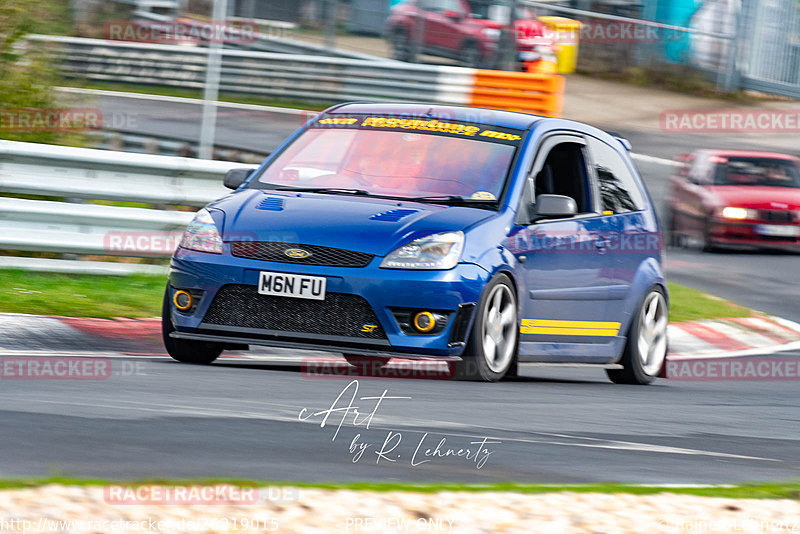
646	346
185	350
674	238
471	55
491	351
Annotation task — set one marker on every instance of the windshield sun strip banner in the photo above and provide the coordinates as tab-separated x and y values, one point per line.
450	128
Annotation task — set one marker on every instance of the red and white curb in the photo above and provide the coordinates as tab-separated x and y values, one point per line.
728	338
35	334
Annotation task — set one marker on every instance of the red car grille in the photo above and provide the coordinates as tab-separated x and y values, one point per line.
776	216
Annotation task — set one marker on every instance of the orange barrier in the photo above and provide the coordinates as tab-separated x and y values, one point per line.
540	94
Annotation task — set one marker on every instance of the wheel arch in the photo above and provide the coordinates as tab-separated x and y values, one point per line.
648	275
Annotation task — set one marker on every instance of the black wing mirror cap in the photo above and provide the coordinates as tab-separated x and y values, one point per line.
236	177
554	207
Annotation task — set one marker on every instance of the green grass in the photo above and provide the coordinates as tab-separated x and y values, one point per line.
81	295
687	304
140	296
787	490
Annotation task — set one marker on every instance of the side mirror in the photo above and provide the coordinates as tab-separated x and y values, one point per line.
236	177
554	207
453	15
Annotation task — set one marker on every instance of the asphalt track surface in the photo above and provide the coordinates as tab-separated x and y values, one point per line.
159	418
241	418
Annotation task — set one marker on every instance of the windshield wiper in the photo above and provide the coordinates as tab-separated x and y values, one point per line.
450	199
432	199
324	190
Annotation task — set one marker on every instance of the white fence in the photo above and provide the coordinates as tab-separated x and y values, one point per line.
71	225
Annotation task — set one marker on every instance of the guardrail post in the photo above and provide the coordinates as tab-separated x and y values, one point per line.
211	90
331	18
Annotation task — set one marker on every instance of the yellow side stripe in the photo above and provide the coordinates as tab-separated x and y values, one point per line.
570	324
569	331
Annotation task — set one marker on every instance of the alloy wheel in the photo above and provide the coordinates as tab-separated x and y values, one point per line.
652	342
499	333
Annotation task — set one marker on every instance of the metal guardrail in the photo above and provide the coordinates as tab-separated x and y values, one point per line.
36	169
91	229
121	132
267	42
121	140
305	77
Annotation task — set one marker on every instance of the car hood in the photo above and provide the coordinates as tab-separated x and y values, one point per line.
374	226
756	197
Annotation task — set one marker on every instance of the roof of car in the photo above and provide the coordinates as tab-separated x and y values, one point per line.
748	154
506	119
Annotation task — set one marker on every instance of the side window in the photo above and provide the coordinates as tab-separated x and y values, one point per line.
430	5
618	190
564	173
440	6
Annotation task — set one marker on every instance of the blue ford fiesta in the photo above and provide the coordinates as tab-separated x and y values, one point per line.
486	238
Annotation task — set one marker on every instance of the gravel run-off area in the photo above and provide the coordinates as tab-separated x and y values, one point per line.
96	509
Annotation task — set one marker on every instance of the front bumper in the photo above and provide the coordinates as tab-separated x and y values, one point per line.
755	234
454	291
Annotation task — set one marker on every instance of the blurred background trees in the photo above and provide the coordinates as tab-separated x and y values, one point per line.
26	78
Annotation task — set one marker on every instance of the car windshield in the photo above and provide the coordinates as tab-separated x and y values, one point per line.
757	171
403	158
496	11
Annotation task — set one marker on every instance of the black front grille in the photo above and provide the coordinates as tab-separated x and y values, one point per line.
340	314
776	216
316	255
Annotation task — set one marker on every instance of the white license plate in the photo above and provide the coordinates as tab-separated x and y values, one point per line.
292	285
778	230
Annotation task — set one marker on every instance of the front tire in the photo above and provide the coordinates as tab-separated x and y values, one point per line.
646	347
493	344
402	48
708	241
184	350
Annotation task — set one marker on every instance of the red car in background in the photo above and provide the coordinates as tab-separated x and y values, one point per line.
468	31
736	198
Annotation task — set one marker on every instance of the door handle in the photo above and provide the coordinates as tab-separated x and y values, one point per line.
601	245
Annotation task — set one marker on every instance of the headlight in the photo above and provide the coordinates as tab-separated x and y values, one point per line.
738	213
202	234
437	251
491	33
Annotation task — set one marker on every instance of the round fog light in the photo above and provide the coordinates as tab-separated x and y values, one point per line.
424	322
182	300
